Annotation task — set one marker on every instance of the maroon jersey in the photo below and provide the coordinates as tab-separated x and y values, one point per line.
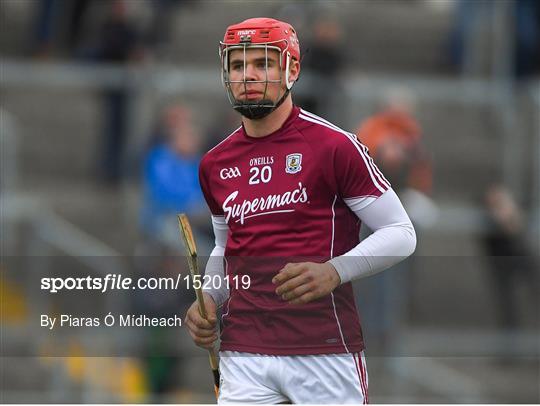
283	199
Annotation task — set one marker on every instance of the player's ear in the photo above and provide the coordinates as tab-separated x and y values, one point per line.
294	70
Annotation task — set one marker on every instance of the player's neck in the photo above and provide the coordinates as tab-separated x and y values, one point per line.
270	123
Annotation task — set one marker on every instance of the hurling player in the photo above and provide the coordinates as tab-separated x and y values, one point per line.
288	192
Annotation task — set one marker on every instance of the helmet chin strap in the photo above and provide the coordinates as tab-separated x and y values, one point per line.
256	110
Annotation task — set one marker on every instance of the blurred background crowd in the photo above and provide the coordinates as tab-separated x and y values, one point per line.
106	108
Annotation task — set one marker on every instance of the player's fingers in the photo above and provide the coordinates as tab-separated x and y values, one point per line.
211	317
289	271
196	319
305	298
290	267
205	342
293	283
200	332
203	324
206	346
210	309
297	292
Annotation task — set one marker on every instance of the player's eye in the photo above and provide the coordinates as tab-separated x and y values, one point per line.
236	66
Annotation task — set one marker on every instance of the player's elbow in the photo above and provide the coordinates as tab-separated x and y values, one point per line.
409	239
405	240
408	244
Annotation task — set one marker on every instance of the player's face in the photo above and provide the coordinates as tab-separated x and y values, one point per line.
261	78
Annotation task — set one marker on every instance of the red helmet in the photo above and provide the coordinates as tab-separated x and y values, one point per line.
266	33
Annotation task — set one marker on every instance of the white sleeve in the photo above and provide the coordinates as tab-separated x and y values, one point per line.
393	238
214	267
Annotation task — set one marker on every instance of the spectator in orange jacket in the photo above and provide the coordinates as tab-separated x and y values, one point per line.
394	139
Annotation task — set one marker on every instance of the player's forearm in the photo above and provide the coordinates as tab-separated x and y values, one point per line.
393	240
215	270
381	250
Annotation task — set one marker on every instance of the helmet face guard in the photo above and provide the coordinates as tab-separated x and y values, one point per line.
254	109
269	35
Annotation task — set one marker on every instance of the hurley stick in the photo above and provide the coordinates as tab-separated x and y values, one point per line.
191	248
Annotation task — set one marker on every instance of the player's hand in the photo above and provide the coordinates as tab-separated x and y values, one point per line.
203	332
306	281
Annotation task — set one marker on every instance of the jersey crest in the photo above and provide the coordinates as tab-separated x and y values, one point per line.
293	163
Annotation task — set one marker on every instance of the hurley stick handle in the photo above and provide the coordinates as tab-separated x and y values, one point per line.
191	248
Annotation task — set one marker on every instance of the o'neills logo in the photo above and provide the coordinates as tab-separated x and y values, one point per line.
261	206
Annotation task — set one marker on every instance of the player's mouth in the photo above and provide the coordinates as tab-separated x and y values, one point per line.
251	95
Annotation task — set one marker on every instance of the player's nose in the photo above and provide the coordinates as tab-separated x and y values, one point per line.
250	73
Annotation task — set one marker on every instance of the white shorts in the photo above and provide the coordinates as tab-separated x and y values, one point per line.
321	379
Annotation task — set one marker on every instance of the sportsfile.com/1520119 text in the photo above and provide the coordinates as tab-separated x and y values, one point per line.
112	282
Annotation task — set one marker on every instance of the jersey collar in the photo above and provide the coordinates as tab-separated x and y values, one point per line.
290	120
